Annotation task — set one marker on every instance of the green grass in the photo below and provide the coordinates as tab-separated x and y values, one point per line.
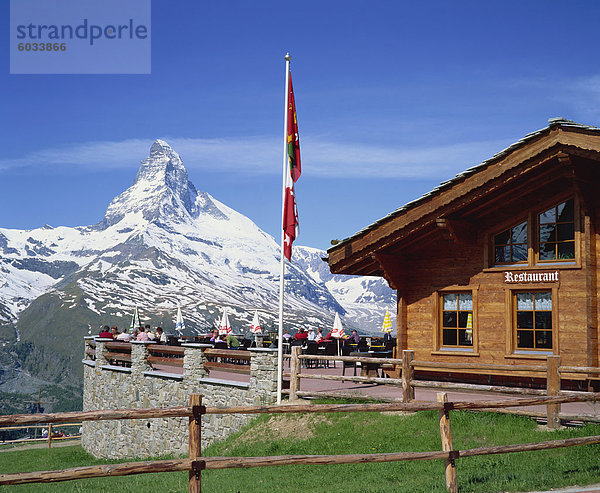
353	433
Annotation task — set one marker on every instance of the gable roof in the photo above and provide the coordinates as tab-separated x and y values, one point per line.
556	134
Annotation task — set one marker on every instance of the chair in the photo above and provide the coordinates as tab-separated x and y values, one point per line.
384	354
363	346
347	350
312	349
173	340
330	350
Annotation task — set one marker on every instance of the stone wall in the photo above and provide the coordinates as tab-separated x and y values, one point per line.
116	387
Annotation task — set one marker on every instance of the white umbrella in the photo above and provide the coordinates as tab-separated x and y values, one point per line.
179	324
135	321
338	330
225	327
255	327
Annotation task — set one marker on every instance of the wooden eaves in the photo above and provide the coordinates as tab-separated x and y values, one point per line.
372	250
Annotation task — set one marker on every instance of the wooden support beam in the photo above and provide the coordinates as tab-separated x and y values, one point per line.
408	390
446	436
460	231
295	371
584	179
392	267
195	443
553	388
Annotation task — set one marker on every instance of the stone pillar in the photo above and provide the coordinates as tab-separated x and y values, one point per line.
86	346
258	340
193	361
139	356
263	376
100	350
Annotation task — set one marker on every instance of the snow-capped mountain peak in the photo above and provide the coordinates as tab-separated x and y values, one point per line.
161	190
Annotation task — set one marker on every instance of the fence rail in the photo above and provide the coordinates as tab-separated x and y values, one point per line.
196	463
406	366
49	438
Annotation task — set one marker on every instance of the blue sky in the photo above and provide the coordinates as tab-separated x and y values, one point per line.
392	98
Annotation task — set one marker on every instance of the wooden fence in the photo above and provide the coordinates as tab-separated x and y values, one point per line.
195	463
552	372
52	436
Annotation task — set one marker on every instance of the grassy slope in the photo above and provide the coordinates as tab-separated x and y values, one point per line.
355	433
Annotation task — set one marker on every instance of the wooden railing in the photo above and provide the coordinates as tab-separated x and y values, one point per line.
118	353
551	371
195	463
233	360
52	434
166	355
160	356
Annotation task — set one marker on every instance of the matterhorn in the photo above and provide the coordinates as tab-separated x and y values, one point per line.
161	244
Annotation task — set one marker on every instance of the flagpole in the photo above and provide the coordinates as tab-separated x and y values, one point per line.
288	57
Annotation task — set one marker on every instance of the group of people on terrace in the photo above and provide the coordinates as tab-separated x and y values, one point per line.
317	336
140	334
224	340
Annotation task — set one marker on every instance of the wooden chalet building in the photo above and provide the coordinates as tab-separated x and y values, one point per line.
499	264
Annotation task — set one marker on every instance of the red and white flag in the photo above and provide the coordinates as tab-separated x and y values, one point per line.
290	212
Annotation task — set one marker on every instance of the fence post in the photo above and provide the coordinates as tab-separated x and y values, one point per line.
553	388
408	391
294	371
195	444
49	435
446	435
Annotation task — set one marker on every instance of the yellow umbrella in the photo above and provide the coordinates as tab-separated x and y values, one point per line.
387	323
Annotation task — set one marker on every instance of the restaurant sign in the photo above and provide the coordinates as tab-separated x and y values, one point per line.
530	277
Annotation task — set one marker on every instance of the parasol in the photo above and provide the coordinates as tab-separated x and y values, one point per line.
225	327
255	328
135	321
179	324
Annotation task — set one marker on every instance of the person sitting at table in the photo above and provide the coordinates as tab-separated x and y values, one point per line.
311	335
161	337
215	335
328	337
286	335
151	335
221	342
124	336
114	331
354	337
319	335
232	341
301	334
142	335
106	333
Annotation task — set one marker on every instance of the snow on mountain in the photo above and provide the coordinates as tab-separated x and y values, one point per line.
365	299
163	243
